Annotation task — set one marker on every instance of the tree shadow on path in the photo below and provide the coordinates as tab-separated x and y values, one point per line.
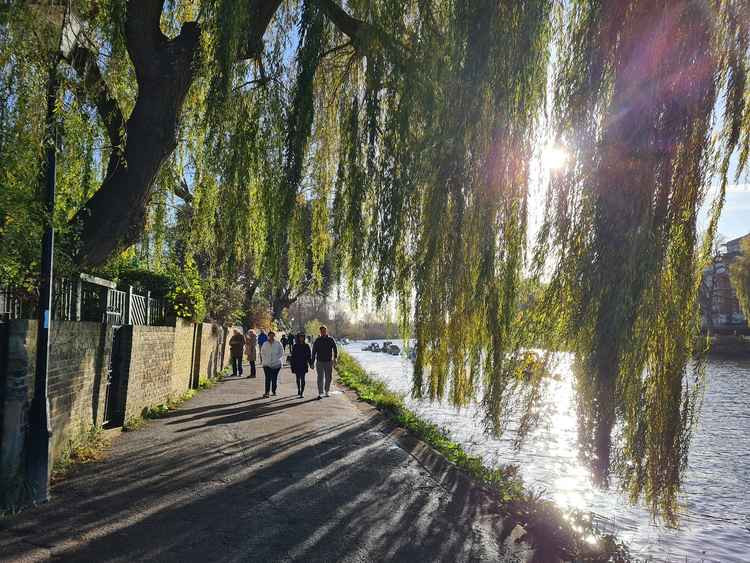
323	485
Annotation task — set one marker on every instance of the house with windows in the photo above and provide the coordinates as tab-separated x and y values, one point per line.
720	309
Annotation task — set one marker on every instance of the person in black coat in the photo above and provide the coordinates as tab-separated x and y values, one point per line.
300	362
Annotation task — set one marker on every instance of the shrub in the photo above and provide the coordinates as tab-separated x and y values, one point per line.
158	283
186	295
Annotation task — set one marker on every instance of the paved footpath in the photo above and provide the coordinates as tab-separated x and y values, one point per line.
231	476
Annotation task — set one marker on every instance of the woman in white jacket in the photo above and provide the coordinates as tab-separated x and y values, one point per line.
271	354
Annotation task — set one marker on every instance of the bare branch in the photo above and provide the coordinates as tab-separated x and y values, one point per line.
263	11
336	48
347	24
183	192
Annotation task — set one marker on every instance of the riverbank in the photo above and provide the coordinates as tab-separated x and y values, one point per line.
229	475
553	536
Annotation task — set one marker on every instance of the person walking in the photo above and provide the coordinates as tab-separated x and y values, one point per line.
236	345
301	360
251	347
262	339
283	341
271	354
325	352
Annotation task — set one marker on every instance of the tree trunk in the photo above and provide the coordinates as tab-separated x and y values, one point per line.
280	302
116	215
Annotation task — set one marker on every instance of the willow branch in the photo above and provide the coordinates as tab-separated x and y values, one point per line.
94	88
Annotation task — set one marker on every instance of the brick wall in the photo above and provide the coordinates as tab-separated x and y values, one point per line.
149	350
19	351
77	375
149	365
210	358
77	378
182	357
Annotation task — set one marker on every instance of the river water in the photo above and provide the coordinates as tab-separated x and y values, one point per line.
715	522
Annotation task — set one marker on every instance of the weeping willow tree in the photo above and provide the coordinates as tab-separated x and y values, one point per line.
651	102
396	138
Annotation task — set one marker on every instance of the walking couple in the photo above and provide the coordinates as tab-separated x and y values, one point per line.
323	356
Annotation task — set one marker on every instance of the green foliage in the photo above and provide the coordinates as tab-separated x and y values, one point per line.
133	424
739	275
312	327
388	145
186	295
158	283
182	286
620	237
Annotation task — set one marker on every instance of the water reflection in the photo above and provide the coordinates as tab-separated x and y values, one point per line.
715	522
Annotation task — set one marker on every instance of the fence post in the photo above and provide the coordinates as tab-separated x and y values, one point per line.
79	298
129	311
148	308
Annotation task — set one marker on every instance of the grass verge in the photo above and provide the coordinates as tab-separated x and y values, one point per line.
541	518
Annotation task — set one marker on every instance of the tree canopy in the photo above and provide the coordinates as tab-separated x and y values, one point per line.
394	140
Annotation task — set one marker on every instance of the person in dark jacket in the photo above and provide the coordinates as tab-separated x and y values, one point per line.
262	339
283	341
325	352
236	345
300	362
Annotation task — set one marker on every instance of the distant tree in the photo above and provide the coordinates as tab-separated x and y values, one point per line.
739	275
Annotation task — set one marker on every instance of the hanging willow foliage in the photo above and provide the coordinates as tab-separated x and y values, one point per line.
431	203
638	85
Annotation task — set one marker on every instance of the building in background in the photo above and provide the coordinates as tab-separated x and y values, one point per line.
720	309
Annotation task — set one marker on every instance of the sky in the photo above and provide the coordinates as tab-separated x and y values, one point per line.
734	220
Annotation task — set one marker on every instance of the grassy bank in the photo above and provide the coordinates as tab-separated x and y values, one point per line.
541	519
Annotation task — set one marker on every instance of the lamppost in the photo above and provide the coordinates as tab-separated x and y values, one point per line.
40	431
38	466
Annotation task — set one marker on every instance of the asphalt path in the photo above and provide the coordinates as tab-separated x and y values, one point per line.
231	476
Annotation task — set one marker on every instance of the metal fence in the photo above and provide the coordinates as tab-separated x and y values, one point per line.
10	303
137	309
87	298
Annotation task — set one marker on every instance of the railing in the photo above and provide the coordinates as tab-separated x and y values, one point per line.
64	299
117	304
137	309
157	311
10	303
87	298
